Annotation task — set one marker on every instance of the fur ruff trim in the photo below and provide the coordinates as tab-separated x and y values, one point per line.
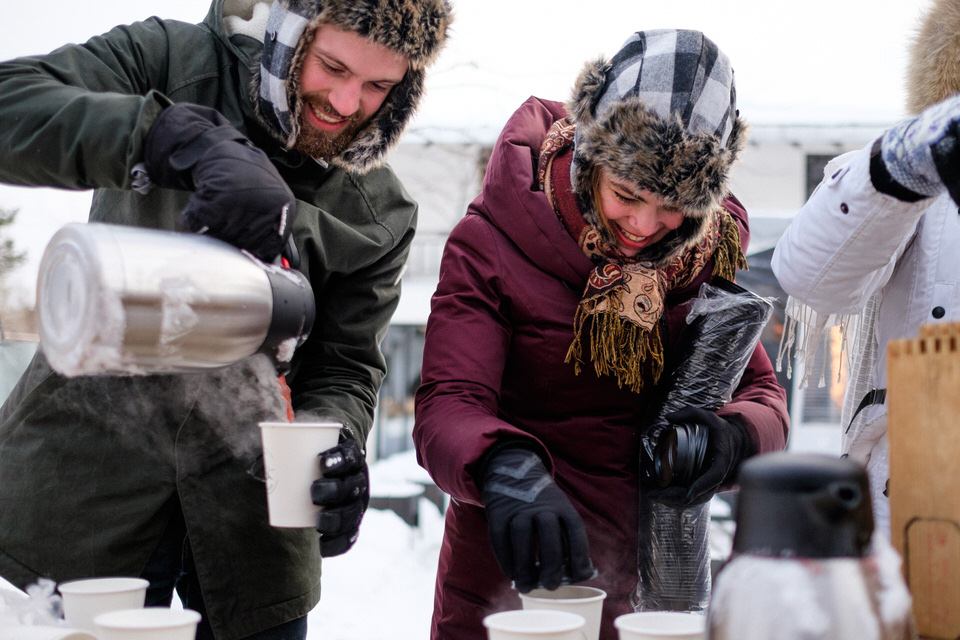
933	73
689	170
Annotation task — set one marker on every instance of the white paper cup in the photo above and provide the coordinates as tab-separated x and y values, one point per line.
290	463
584	601
85	599
31	632
661	625
534	624
149	623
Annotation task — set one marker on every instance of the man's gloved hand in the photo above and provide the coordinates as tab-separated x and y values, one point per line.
344	493
919	157
728	444
538	537
239	196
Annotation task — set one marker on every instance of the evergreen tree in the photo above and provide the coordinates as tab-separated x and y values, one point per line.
9	257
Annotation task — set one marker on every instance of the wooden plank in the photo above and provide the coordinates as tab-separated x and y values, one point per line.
923	397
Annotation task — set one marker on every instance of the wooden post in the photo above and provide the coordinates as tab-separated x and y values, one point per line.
923	396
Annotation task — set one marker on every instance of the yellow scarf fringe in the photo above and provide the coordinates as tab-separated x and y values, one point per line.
728	257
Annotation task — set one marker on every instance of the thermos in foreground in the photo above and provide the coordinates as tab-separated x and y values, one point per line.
806	562
116	299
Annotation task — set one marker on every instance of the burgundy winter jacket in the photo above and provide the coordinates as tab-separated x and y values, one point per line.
500	325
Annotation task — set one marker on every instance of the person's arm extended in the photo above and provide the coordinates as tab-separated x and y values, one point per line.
77	118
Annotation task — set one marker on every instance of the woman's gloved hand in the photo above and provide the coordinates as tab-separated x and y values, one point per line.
919	157
728	444
239	196
344	494
538	537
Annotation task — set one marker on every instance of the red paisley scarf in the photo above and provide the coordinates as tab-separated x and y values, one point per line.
624	298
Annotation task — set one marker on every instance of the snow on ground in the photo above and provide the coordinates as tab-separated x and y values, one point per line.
382	589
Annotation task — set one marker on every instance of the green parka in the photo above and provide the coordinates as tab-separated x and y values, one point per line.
92	467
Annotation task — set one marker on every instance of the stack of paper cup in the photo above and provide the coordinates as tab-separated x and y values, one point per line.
534	624
584	601
85	599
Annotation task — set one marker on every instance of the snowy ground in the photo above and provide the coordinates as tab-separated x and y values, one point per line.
382	589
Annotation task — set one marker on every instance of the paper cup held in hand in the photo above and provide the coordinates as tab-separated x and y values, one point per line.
661	625
584	601
85	599
534	624
150	623
290	463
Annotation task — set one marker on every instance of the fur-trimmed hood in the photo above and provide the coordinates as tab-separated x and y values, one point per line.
416	29
666	125
933	73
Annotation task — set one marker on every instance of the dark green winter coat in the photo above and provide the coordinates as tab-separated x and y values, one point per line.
92	467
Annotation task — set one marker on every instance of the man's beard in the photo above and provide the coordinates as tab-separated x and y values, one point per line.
320	144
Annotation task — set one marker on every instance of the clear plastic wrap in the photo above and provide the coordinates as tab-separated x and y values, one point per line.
724	324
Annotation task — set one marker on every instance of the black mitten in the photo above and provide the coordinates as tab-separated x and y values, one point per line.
728	444
344	494
538	537
239	196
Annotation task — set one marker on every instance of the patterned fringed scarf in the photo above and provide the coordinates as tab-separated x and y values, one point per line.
624	298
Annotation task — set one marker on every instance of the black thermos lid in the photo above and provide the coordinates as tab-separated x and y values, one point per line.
803	505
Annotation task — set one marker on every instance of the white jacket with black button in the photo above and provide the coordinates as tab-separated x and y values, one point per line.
881	268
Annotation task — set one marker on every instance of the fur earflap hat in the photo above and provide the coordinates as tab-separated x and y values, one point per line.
416	29
933	73
662	115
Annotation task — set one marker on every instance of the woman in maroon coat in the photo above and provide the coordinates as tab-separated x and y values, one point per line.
557	303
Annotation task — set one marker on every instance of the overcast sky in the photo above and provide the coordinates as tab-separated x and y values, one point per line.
829	61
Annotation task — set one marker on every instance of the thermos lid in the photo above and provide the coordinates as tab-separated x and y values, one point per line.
804	506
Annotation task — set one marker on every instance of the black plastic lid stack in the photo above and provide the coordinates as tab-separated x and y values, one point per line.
796	505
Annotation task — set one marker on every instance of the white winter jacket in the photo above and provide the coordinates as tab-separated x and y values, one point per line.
868	261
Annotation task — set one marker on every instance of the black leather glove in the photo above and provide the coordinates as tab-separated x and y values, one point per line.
538	537
728	444
239	196
920	157
344	494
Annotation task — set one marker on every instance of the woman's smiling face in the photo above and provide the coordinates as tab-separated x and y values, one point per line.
636	217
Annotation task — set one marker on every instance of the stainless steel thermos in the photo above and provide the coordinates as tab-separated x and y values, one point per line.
115	299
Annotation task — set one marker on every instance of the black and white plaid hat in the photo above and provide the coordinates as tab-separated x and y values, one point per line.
673	71
661	114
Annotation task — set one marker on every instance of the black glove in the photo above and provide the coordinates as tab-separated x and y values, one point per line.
344	493
920	156
239	196
538	537
728	443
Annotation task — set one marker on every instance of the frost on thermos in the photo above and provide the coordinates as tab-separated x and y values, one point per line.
114	299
